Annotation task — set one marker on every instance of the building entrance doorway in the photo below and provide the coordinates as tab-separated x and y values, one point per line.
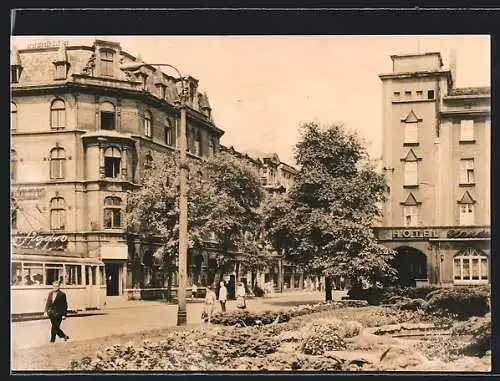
112	279
411	265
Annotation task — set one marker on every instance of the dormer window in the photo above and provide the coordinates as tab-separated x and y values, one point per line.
107	59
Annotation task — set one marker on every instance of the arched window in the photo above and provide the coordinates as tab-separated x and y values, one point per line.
57	163
148	161
107	116
107	62
147	124
57	213
197	143
112	212
470	265
169	134
57	114
13	116
112	162
13	164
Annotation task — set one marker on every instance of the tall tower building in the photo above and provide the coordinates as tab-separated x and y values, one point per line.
436	160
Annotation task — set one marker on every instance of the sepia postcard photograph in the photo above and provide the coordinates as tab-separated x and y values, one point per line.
235	203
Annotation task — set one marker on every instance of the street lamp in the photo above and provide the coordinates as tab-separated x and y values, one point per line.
183	205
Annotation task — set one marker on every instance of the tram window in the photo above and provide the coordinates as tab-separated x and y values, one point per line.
17	277
101	275
87	275
94	275
73	274
53	273
33	274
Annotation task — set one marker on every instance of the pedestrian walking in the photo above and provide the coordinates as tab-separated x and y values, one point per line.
210	299
194	291
240	296
56	309
223	296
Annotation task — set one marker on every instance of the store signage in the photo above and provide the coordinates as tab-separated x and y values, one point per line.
414	233
21	194
39	44
468	234
34	240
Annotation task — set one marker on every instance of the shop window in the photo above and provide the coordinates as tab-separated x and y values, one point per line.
466	214
57	163
57	114
112	212
73	275
410	173
112	162
13	116
57	213
470	265
13	165
107	58
16	272
410	215
32	274
53	273
107	116
467	171
147	124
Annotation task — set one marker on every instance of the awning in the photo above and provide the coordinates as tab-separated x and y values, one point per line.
116	251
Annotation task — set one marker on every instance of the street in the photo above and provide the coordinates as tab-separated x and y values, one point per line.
139	316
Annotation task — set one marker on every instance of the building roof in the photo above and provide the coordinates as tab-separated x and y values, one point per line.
483	90
418	54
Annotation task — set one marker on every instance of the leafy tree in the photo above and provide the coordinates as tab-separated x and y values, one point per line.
224	197
325	221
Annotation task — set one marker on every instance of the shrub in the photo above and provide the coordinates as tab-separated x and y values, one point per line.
325	335
460	301
479	328
411	304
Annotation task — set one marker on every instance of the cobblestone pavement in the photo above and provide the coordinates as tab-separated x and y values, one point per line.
136	316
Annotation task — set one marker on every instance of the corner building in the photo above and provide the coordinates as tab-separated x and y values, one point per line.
436	160
82	133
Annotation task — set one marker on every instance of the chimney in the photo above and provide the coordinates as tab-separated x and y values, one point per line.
453	66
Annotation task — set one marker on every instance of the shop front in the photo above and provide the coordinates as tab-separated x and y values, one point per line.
439	255
114	257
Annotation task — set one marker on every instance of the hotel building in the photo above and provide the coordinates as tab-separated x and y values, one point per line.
436	160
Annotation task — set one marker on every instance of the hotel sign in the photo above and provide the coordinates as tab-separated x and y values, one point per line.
414	233
468	234
34	240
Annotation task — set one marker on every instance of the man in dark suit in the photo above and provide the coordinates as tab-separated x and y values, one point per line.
56	309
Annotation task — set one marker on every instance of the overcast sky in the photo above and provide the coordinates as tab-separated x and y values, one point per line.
261	88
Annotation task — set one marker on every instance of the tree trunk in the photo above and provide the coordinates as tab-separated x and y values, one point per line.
328	289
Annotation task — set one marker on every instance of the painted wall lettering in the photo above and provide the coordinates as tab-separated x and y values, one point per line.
468	234
33	240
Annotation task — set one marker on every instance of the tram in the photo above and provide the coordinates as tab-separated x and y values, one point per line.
33	272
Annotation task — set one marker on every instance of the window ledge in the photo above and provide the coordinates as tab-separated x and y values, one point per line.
466	184
410	186
473	141
411	144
